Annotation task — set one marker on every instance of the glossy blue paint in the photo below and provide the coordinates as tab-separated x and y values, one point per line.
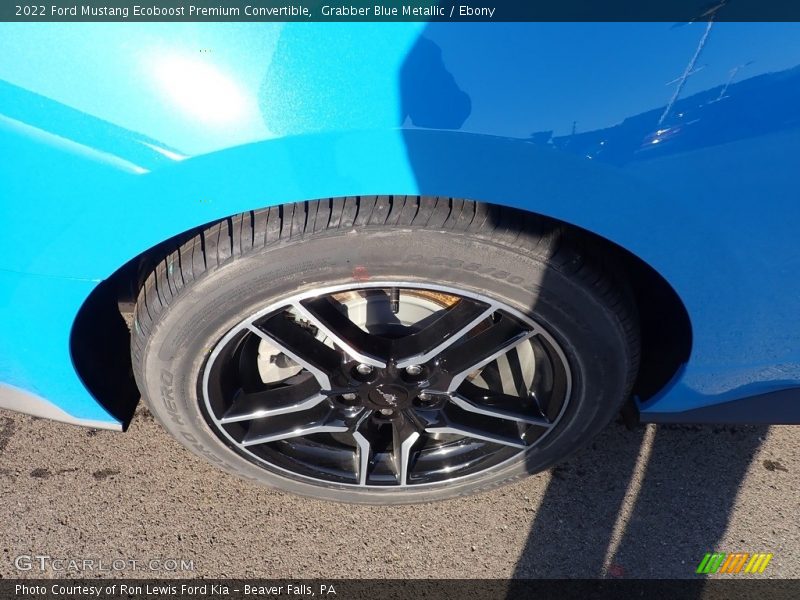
37	314
131	133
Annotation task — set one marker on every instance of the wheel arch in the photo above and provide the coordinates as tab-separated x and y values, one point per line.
100	337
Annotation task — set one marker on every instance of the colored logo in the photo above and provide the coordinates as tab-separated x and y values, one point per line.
741	562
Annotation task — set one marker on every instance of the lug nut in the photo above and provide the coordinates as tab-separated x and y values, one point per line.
426	400
349	396
387	411
413	369
364	369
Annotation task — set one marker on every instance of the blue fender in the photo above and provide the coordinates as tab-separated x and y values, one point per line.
86	186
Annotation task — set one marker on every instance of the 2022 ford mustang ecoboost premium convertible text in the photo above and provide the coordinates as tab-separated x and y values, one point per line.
399	262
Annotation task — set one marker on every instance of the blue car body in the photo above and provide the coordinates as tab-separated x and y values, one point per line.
677	143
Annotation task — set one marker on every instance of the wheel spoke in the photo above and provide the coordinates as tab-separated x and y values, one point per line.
498	405
353	341
457	421
477	434
454	324
292	425
269	403
300	345
478	351
363	456
404	436
510	366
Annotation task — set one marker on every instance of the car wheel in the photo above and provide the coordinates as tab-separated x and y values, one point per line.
384	349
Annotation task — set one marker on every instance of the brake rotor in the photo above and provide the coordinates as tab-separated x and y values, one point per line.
371	311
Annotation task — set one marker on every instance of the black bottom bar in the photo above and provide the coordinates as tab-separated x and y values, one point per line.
738	586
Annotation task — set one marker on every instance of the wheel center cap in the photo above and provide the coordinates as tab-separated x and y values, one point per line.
389	396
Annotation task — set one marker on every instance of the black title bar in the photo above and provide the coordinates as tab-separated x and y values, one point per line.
679	11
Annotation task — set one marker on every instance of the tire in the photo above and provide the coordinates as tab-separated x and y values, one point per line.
546	279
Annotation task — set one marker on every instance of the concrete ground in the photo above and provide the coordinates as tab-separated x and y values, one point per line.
646	503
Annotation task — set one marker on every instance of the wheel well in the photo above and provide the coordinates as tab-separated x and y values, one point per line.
664	325
100	341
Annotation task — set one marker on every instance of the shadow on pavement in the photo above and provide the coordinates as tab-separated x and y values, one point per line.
645	503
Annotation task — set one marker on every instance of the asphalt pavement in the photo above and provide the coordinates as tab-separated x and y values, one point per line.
643	503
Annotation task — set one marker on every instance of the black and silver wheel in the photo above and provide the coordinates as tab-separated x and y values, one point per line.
385	384
388	349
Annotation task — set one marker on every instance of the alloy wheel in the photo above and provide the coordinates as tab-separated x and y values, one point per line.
385	385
